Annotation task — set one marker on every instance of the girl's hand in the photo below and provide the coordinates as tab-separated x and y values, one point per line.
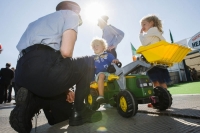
141	31
70	96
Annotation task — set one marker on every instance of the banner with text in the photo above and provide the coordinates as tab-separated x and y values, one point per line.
194	42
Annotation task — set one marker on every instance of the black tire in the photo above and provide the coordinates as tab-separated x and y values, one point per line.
127	105
91	100
165	99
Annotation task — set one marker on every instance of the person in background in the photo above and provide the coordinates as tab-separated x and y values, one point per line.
194	74
190	74
151	32
102	60
6	75
12	85
111	34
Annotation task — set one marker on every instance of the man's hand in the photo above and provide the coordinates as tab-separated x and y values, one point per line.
110	48
70	96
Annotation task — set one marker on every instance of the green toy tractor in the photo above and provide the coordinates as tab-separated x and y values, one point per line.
126	90
128	86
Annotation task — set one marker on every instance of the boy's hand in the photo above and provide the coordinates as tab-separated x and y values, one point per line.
70	96
115	61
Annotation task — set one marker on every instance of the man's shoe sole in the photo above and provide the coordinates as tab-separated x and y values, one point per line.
21	96
16	121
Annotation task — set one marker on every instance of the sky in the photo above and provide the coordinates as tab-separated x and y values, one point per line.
182	17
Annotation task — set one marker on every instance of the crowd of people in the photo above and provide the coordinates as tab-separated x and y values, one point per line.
46	70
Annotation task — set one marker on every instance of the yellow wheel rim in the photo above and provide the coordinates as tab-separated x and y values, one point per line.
149	91
123	104
90	99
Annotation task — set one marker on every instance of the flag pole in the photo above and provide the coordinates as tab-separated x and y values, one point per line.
171	37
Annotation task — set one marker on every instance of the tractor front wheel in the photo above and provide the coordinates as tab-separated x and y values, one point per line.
127	105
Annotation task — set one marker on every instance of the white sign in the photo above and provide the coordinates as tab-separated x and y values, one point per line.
195	41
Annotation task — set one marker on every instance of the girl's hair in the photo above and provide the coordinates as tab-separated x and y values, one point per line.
156	21
102	41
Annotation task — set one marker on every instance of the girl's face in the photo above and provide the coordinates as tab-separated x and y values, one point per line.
98	48
146	25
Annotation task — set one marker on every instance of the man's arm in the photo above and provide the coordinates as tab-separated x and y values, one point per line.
68	42
119	35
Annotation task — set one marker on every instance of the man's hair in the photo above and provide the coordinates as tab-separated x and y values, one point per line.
102	41
8	64
68	5
104	18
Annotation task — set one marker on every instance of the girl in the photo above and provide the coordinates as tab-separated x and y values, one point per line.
150	33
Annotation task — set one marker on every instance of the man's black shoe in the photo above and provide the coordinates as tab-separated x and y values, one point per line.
86	115
26	107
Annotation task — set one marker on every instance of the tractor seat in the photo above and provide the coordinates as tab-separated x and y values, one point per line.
111	77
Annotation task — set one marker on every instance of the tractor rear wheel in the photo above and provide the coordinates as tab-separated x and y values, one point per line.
165	99
127	105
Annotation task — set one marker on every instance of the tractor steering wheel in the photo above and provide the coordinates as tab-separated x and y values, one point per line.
119	64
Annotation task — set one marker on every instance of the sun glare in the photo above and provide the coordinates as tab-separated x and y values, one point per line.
94	11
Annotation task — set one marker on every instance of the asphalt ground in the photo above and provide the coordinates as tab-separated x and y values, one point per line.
182	117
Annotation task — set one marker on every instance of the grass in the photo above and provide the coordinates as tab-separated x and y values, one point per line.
185	88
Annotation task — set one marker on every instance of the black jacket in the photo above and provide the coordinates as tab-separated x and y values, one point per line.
6	75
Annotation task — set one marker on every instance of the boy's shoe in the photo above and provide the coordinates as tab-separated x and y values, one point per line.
150	105
26	107
100	99
86	115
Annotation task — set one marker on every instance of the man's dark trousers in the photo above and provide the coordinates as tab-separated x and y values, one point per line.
3	92
44	72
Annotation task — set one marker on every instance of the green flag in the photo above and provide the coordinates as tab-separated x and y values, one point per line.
133	49
171	37
134	57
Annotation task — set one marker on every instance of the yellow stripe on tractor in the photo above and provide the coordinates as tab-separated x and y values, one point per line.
111	77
